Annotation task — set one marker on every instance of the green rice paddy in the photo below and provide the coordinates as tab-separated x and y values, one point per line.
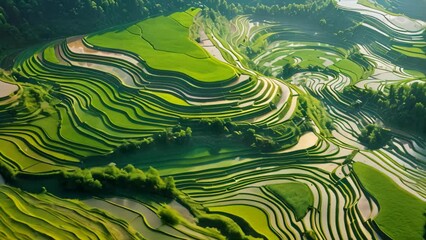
43	216
81	99
163	43
255	217
397	206
297	195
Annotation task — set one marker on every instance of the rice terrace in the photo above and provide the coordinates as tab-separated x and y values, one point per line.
214	119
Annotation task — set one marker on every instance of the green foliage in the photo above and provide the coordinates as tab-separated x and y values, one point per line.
265	144
401	215
268	7
81	180
297	195
7	172
251	135
110	178
132	145
168	215
310	235
177	135
23	22
403	106
32	99
26	22
217	126
374	137
315	110
289	70
225	225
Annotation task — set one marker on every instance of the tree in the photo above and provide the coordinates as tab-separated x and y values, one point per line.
249	135
392	94
81	180
265	144
224	224
105	179
374	137
217	126
403	106
168	215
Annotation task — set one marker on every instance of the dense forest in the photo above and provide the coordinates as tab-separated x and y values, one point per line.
27	22
403	107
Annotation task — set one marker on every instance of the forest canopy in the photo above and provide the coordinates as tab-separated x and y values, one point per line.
32	21
403	106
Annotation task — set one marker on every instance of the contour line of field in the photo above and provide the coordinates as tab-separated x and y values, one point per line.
88	51
161	50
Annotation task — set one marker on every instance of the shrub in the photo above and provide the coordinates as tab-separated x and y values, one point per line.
107	179
225	225
374	137
168	215
81	180
310	235
175	135
7	172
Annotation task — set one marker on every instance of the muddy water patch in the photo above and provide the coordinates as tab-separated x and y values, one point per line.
6	89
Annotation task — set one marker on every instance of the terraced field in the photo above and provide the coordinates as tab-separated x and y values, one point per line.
80	99
30	216
106	92
341	208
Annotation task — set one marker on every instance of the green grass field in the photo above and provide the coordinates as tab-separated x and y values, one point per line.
255	217
298	196
402	215
49	55
164	44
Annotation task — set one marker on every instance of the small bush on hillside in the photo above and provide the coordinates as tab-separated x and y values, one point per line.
168	215
225	225
374	137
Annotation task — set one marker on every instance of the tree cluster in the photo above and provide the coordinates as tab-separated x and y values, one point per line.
110	178
225	225
289	70
404	106
176	135
268	7
168	215
250	135
354	55
261	142
315	110
30	21
374	137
